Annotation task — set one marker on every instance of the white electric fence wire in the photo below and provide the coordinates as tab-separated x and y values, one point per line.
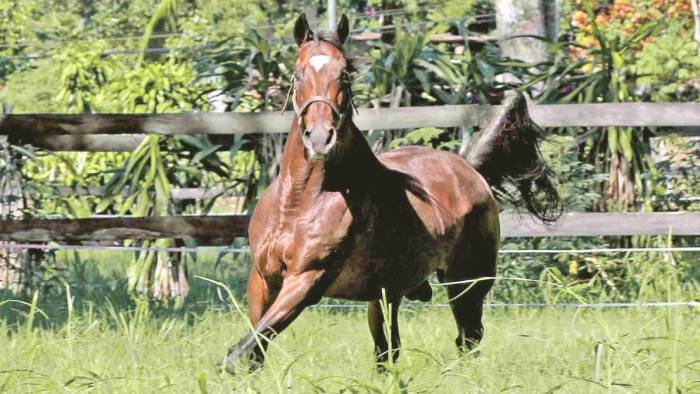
601	305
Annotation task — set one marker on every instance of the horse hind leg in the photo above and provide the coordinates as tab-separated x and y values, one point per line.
376	318
467	311
473	260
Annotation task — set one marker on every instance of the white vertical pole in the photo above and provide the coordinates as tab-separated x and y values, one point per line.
331	15
310	11
696	14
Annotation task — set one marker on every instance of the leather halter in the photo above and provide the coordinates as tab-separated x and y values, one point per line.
340	112
300	111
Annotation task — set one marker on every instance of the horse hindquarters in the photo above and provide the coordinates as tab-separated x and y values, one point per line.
472	260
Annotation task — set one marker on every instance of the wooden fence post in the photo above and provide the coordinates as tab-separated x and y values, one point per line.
16	266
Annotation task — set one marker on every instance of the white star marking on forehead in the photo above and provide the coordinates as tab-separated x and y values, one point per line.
318	61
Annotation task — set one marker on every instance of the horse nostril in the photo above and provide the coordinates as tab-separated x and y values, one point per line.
307	132
331	133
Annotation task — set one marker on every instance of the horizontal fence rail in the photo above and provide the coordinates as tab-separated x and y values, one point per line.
194	193
111	246
121	132
220	230
604	224
211	230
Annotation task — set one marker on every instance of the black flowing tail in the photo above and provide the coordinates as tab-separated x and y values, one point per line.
507	155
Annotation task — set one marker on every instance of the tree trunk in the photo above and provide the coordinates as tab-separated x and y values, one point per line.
527	17
553	15
696	15
620	191
388	29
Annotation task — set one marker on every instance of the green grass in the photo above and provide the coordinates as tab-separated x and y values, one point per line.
639	350
106	342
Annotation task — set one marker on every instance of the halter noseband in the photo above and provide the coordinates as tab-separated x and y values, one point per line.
300	111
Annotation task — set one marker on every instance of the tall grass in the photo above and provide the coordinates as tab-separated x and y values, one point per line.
91	335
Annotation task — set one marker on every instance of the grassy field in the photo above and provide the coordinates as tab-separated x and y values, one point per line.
524	351
106	343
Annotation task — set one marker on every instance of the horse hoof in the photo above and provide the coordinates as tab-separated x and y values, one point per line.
232	366
469	348
238	366
238	362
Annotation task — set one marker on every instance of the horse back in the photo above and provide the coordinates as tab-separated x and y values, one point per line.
454	187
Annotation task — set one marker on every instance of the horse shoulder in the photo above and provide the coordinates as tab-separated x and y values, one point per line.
318	233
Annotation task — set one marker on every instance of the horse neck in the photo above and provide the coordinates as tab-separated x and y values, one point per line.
353	166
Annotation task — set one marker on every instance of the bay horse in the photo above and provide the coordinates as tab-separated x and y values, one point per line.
341	222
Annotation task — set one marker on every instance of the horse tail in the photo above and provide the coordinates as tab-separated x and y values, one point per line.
507	155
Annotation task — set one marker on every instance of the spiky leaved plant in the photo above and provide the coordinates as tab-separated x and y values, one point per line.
599	73
158	164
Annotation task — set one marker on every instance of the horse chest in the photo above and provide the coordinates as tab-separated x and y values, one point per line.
306	241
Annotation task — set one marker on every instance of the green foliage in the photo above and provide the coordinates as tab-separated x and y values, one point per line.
147	177
453	8
164	15
84	74
394	70
427	136
603	74
33	90
217	20
15	16
168	87
260	82
412	71
576	181
670	66
676	183
45	173
115	19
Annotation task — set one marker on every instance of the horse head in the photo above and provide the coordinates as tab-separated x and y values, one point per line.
320	91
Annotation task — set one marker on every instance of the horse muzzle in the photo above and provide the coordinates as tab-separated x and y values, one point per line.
319	141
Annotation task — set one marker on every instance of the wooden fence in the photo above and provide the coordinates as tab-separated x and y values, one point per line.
124	132
221	230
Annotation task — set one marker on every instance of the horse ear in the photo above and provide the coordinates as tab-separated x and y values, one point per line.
343	29
302	31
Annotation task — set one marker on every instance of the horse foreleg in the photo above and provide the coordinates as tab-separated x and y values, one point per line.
377	327
297	292
260	297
